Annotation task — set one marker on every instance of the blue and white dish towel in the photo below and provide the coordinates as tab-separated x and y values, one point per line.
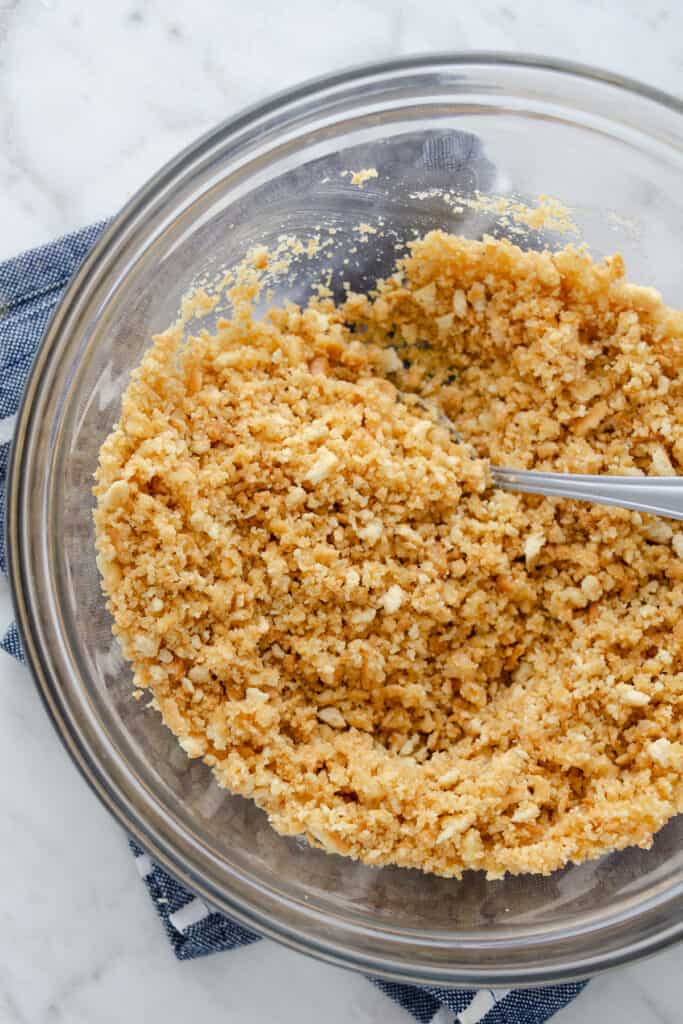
30	288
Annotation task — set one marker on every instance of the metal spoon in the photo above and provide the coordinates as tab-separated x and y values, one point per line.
658	495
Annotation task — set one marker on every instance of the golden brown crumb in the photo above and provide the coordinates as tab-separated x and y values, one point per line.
359	178
338	613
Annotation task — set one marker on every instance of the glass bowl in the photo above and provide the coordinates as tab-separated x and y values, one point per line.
612	150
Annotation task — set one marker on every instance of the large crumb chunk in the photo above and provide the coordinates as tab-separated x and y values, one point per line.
359	178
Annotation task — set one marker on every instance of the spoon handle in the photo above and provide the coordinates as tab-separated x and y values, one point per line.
658	495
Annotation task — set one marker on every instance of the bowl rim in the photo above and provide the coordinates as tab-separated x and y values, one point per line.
93	271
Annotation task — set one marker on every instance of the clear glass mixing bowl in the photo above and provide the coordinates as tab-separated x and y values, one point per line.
613	151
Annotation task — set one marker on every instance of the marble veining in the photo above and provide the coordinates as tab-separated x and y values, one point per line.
93	98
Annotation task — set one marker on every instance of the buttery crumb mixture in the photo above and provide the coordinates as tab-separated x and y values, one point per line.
335	609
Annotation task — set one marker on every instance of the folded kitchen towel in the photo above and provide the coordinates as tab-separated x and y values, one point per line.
30	288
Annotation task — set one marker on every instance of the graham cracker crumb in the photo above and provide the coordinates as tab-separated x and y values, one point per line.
359	178
310	570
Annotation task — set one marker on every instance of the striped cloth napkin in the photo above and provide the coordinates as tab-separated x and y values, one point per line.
30	288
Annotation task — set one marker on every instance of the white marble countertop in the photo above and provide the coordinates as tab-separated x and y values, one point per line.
93	98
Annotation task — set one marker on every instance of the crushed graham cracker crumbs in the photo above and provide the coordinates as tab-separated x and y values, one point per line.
513	214
334	608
